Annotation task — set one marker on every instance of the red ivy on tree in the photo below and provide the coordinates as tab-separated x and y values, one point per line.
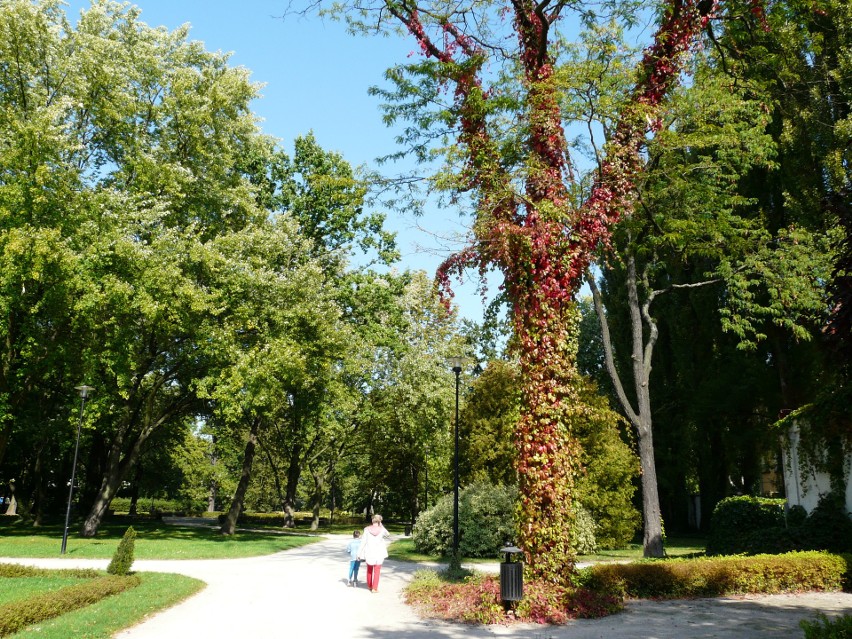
541	243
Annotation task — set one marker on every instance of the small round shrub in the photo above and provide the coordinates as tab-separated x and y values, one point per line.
486	522
738	522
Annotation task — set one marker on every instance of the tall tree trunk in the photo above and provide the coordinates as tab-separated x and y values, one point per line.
230	523
640	417
117	466
276	478
40	492
319	484
214	488
134	493
294	471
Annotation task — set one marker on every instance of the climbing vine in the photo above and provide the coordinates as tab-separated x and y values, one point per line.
540	242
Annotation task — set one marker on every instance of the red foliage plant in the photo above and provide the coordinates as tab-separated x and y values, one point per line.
540	243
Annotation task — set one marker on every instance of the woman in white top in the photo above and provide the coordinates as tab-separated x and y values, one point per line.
373	551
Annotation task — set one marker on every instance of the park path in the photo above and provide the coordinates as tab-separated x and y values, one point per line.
302	594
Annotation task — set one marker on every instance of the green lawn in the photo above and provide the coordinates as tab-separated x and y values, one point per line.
17	588
154	540
403	550
103	619
675	547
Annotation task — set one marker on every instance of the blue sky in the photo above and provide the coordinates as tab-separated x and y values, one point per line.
316	78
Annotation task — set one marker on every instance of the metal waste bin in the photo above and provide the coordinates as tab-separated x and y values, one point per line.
511	575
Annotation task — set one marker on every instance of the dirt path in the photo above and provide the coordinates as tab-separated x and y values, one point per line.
302	594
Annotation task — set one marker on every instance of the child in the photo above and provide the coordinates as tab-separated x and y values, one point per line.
354	563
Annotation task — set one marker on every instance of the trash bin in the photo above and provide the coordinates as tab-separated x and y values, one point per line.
407	529
511	575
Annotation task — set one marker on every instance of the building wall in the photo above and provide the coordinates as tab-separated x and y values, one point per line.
805	489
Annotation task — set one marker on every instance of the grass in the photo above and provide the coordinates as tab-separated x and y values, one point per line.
17	588
675	547
154	540
103	619
403	550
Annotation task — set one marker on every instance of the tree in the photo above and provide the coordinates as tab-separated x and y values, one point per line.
406	419
132	204
606	485
510	152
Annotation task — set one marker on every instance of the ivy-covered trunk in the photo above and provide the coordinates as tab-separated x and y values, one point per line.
528	227
548	455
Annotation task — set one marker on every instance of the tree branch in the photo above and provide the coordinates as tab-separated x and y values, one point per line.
608	351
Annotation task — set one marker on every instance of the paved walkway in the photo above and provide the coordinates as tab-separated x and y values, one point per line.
302	594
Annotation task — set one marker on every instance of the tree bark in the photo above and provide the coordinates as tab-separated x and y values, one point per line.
229	526
134	495
214	489
294	471
319	484
118	466
639	417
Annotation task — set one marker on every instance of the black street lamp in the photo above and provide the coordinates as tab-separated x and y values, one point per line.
456	363
84	393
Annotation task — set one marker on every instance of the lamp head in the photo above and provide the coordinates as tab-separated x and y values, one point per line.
85	390
456	362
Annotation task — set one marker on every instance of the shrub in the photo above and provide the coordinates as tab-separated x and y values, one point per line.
825	628
583	533
751	525
716	576
11	571
477	600
796	515
122	559
828	527
18	614
486	522
739	523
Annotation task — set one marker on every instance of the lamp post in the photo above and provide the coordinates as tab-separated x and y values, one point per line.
84	393
456	363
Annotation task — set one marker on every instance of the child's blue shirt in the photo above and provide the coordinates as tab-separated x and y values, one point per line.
352	548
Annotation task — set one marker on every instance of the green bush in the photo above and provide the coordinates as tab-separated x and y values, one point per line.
735	521
753	525
796	515
583	533
827	527
147	505
18	614
717	576
279	519
825	628
122	559
486	522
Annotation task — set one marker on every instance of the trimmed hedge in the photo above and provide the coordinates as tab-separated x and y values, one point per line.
19	614
14	571
279	519
740	524
754	525
718	576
